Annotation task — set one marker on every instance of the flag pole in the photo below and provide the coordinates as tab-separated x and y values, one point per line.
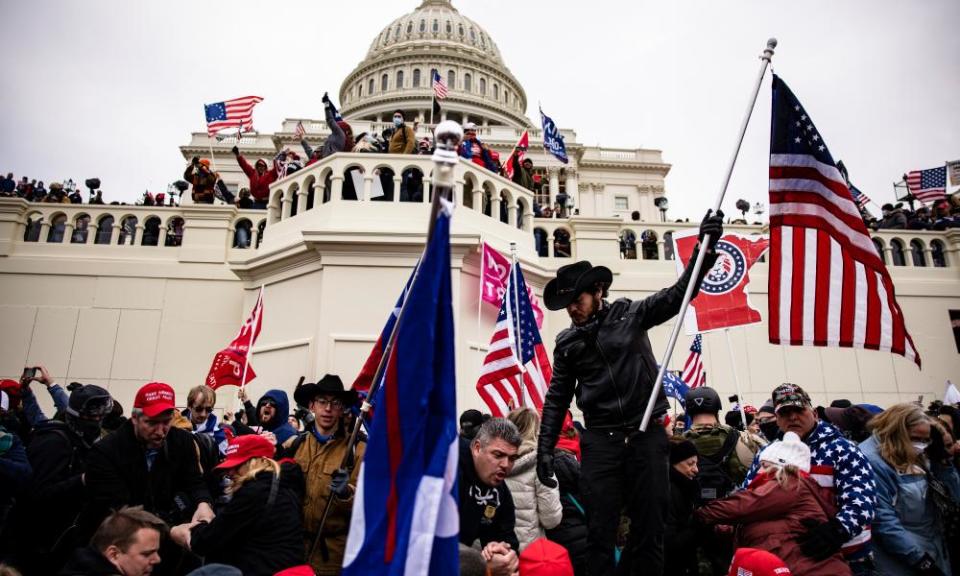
483	262
698	264
736	378
447	137
516	300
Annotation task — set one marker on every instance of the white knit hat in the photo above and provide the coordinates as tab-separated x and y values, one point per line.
789	451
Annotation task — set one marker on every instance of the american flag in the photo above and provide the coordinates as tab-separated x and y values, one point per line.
299	131
236	113
506	383
693	373
927	185
859	197
439	87
827	286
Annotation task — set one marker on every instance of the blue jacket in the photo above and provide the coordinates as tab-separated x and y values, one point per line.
906	524
844	475
280	426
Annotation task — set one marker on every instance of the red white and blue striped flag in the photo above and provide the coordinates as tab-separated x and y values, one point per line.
927	185
827	285
236	113
693	373
507	381
439	87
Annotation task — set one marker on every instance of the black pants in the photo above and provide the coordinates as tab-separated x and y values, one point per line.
625	472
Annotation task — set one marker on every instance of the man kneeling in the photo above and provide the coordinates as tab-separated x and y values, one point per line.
127	543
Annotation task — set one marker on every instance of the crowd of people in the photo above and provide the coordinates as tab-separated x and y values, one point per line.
32	190
943	214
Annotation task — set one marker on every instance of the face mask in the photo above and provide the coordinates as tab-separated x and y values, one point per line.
770	430
397	121
920	447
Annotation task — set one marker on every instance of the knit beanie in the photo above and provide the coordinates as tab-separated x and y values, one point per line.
789	451
545	558
680	451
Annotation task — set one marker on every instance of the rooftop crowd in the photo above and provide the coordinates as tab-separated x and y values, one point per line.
168	488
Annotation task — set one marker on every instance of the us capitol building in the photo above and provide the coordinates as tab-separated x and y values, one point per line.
122	295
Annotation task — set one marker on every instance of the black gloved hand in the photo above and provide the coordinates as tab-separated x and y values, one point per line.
235	150
712	225
195	160
339	486
325	99
822	539
927	566
545	470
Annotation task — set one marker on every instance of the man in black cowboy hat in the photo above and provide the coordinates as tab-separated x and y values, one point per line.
319	451
605	359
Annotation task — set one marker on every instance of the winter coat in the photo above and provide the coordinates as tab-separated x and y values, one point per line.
770	517
484	160
256	535
609	364
280	425
336	142
709	439
571	533
680	541
403	141
319	462
537	507
89	562
521	176
845	478
117	476
906	525
259	183
486	512
15	471
203	182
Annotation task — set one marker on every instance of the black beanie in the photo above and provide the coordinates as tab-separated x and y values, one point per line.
680	451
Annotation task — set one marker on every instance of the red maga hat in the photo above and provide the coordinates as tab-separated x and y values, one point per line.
243	448
155	398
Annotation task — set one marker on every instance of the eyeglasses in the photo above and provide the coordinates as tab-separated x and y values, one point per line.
202	409
325	403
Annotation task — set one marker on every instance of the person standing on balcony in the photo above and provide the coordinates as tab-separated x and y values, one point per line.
261	177
474	150
403	140
339	140
606	360
198	174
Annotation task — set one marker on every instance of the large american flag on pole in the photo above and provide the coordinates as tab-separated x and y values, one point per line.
236	113
693	373
439	87
827	285
507	382
927	185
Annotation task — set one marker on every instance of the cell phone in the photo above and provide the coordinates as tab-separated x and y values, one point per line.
29	373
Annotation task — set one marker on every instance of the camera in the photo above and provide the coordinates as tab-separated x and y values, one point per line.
304	415
29	373
733	399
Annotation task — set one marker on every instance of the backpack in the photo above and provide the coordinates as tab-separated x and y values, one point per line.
712	474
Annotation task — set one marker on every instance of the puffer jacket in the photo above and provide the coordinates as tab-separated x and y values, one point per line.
770	517
537	506
609	363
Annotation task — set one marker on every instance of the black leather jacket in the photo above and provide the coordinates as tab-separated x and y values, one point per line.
609	364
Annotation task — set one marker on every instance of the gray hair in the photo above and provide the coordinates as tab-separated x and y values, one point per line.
471	562
498	428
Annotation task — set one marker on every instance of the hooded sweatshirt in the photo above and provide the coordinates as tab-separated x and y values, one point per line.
280	426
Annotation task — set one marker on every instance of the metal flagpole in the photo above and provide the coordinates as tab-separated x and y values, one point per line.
736	378
516	319
648	413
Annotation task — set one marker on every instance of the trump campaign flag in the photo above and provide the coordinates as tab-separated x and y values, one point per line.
231	366
519	151
552	140
405	518
495	272
723	301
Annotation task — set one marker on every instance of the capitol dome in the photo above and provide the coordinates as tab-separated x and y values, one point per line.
396	72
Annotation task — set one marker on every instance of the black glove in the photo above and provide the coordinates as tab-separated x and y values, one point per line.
927	566
822	539
545	470
339	486
235	150
195	161
712	225
326	98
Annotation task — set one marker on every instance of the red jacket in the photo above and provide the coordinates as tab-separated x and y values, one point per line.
770	518
259	185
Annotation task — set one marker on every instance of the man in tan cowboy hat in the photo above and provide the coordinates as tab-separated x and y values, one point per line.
606	360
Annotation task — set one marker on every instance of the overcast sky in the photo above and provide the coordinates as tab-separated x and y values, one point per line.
111	88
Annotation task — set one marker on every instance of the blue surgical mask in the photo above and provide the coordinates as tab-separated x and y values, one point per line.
397	121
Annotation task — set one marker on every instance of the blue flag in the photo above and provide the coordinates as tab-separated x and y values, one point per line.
405	519
552	140
674	387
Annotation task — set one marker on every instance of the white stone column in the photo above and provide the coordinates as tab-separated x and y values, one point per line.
528	221
302	200
457	192
478	198
495	206
571	185
161	238
287	203
397	181
68	232
137	236
554	174
599	200
512	215
586	199
367	187
336	188
254	235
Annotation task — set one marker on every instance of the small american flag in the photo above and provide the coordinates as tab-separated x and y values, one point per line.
505	382
827	286
439	87
859	197
236	113
927	185
693	373
299	131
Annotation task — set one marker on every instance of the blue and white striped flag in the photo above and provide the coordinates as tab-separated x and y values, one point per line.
552	140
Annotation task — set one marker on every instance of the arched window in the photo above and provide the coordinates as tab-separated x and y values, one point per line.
449	27
436	26
359	89
399	79
496	91
467	83
151	232
383	82
261	230
896	253
242	234
451	79
174	232
396	33
938	254
561	243
409	28
628	245
648	242
916	250
128	231
370	86
878	246
460	29
473	39
104	230
668	245
81	229
423	26
416	78
483	86
540	241
57	226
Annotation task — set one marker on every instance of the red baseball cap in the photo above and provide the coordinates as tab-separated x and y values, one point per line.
12	388
545	558
755	562
302	570
243	448
155	398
